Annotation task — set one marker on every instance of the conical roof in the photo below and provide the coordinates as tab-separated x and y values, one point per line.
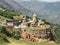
34	15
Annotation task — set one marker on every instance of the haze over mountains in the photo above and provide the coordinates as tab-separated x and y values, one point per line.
45	10
13	5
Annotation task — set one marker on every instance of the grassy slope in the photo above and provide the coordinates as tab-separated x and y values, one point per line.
21	42
3	42
58	34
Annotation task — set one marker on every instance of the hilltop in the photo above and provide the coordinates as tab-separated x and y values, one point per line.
10	38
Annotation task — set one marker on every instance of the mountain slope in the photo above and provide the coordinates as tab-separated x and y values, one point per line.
47	10
12	5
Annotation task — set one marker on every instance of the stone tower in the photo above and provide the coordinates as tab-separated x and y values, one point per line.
33	21
34	17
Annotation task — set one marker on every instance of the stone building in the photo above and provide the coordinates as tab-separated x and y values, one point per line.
33	21
39	34
30	29
40	22
13	22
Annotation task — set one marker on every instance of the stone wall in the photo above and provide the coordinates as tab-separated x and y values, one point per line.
40	34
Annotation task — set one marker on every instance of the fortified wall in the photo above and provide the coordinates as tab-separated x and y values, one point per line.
32	29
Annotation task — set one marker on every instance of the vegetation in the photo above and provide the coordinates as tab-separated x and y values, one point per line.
18	17
4	34
13	41
2	19
8	14
26	42
58	33
3	37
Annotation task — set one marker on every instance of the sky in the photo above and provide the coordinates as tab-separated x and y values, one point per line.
42	0
50	0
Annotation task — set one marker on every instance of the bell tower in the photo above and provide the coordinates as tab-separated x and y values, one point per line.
34	17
